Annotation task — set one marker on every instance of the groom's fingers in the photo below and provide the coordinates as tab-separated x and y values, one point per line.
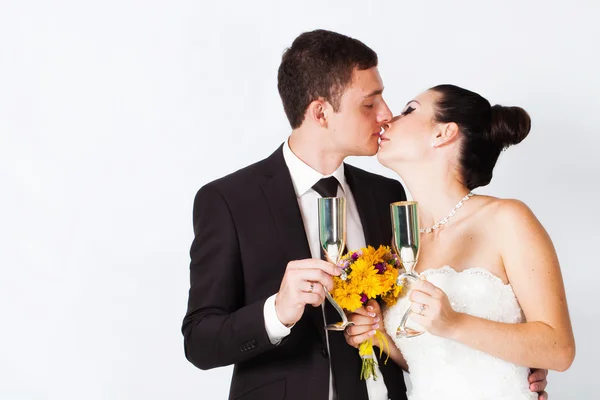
538	386
303	284
313	275
311	298
315	263
315	288
538	382
538	375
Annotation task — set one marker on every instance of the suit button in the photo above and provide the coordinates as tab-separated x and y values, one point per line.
324	353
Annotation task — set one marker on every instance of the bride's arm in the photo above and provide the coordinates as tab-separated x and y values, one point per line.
393	352
546	339
366	322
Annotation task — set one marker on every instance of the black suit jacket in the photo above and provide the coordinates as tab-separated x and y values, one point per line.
247	228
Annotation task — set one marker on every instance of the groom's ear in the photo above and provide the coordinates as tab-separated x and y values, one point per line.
318	111
447	133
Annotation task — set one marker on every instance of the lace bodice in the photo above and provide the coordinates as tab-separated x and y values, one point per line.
443	368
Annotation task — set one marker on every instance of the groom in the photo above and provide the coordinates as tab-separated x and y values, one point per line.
256	298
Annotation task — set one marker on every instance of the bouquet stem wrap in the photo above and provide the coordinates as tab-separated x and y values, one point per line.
366	352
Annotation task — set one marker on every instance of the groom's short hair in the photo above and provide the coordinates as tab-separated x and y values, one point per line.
319	64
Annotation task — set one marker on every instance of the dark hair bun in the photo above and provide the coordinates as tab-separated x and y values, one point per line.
509	126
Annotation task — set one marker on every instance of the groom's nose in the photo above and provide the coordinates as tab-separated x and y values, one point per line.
384	115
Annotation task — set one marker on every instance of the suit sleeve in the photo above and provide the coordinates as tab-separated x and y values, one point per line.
219	329
399	193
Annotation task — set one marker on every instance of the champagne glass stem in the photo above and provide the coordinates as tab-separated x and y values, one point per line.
402	327
338	326
403	331
337	307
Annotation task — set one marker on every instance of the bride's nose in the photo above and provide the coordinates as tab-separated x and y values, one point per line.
390	122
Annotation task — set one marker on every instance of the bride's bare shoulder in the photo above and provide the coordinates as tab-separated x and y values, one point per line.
505	211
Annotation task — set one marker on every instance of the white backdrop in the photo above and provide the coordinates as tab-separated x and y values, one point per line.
113	113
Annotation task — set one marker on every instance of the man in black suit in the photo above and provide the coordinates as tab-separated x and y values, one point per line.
256	274
256	298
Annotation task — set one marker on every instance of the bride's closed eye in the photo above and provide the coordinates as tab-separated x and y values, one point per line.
408	110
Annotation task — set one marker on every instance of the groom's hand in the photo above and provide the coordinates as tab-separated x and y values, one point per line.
303	284
538	382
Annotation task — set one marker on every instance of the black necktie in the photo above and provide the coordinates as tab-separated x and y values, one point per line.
327	187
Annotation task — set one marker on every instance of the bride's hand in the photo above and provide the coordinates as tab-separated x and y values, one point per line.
431	309
367	320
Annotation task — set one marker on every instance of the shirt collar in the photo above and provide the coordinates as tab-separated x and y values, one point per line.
304	176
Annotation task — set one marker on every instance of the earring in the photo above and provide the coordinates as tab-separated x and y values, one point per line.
433	143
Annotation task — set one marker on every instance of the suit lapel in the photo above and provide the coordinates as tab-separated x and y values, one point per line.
281	199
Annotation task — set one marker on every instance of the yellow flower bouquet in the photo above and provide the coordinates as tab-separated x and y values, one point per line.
367	273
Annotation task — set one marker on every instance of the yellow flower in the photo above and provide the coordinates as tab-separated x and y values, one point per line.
360	276
380	254
373	286
390	276
365	280
345	295
391	297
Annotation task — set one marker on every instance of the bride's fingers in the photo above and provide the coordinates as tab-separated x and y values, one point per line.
421	297
373	306
358	339
420	319
428	288
361	311
369	310
358	330
418	308
355	330
361	320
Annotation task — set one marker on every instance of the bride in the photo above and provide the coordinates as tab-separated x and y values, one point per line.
491	298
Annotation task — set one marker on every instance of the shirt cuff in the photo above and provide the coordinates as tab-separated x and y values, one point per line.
275	329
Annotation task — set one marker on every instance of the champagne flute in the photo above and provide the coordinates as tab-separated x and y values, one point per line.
406	239
332	236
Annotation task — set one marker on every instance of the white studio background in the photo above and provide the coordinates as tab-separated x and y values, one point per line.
114	113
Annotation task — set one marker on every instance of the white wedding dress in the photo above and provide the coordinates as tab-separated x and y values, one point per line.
445	369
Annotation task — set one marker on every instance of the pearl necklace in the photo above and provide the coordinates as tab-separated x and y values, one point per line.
445	220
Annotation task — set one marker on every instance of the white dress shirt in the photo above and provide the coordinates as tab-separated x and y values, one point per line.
303	178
